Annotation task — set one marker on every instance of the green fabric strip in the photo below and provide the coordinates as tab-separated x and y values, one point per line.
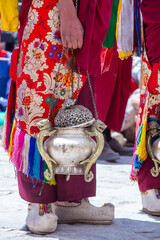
110	37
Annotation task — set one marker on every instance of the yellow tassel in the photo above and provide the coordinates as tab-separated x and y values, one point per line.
11	139
9	15
53	181
124	55
118	14
141	150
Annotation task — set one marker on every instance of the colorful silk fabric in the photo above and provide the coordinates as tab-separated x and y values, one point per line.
125	29
121	28
37	69
9	15
110	37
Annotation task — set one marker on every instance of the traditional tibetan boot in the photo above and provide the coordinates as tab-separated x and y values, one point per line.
117	147
108	154
84	212
151	201
41	219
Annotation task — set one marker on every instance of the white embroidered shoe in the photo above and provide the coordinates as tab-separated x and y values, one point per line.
151	202
85	212
40	221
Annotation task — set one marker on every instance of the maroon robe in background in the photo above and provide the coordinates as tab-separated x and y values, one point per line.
151	18
112	90
95	17
23	18
95	22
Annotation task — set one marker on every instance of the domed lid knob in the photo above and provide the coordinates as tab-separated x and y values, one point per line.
73	115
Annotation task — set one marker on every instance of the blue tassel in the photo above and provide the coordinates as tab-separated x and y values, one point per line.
137	164
31	156
36	166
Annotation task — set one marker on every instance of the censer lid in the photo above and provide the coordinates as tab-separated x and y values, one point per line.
73	115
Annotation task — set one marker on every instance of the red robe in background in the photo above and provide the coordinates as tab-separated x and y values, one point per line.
112	90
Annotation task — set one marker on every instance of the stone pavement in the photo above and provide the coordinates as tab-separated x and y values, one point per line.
113	185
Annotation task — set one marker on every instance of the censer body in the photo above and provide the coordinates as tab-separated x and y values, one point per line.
68	147
156	148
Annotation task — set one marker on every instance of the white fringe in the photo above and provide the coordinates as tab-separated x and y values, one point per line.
25	153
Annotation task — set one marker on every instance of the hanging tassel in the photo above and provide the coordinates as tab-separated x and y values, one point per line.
110	37
25	153
124	55
36	160
53	181
19	160
25	156
118	15
15	147
141	147
11	139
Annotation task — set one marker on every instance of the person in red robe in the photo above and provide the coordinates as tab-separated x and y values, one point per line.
45	28
148	119
113	88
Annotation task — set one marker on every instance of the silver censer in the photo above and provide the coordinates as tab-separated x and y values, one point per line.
70	149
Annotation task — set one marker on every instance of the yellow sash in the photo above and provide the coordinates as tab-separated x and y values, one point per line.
9	15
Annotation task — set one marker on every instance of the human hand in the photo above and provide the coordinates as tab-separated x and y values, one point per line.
71	28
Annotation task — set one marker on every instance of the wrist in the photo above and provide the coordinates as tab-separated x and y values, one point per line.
67	6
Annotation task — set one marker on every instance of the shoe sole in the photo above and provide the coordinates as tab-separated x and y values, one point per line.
151	213
106	222
38	232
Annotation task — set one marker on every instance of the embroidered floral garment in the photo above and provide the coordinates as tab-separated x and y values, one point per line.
37	69
148	112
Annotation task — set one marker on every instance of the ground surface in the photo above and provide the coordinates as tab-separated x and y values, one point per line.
113	185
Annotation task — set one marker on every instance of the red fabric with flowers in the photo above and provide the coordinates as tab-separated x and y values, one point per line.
38	65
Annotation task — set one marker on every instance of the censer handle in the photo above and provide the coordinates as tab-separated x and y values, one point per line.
150	135
96	131
45	131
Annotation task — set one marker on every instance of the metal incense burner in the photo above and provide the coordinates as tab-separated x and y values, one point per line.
70	150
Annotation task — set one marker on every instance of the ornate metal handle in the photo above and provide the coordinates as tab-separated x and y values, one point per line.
150	135
45	130
96	131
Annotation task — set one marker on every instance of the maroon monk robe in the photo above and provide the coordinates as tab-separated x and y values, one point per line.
112	90
95	20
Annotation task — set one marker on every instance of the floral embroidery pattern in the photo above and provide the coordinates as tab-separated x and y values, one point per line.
38	3
54	19
38	66
35	59
32	20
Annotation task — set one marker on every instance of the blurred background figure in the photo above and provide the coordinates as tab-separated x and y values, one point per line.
112	91
132	108
5	80
9	38
112	88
